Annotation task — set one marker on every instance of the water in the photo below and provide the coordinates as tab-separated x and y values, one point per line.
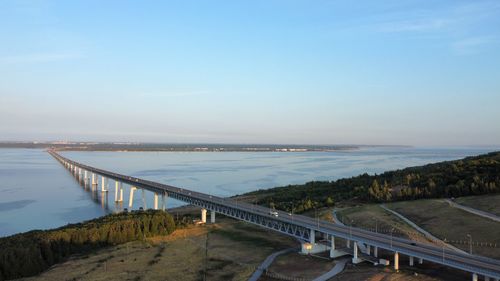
36	192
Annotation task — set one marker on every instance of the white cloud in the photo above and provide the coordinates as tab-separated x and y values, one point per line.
471	45
420	25
39	58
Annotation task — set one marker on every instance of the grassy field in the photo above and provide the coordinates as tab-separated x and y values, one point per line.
452	224
235	249
372	217
300	266
488	203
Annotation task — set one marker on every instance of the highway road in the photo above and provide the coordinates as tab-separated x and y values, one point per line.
471	263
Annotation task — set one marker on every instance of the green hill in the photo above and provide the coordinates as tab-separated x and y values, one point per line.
30	253
469	176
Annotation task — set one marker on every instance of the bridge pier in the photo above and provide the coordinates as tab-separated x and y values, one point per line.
94	182
131	198
118	187
368	249
396	261
163	200
348	243
420	261
143	195
85	176
204	215
103	184
212	216
375	251
355	258
411	261
156	201
474	277
312	236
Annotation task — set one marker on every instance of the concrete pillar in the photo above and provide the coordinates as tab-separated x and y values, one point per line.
143	195
411	261
85	176
348	243
156	201
355	259
93	179
368	249
131	198
117	186
474	277
164	201
375	251
212	216
121	192
103	184
396	261
420	260
312	236
204	215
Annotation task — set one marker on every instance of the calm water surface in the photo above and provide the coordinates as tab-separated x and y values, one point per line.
36	192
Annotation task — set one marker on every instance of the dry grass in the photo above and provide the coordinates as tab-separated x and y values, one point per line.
235	249
372	217
489	203
300	266
452	224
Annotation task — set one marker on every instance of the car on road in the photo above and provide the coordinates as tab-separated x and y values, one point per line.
273	213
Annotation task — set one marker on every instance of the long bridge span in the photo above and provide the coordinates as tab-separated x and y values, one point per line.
304	228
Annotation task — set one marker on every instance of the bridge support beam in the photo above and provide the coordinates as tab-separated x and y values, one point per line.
474	276
375	251
94	181
312	236
420	261
164	201
396	261
355	258
411	261
143	196
212	216
118	188
85	176
368	249
204	215
155	201
131	197
348	243
103	184
333	252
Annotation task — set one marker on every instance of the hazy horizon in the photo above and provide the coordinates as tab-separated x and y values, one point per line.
258	72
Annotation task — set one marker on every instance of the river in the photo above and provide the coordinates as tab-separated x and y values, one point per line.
36	192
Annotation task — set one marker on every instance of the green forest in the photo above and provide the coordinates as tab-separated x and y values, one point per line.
469	176
30	253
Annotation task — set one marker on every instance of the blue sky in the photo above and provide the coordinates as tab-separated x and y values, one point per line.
319	72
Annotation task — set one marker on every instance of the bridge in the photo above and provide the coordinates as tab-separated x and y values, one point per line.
309	230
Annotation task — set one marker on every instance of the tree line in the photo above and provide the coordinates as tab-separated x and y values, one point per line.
30	253
469	176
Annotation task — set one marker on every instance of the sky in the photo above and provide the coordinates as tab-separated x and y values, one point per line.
298	72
